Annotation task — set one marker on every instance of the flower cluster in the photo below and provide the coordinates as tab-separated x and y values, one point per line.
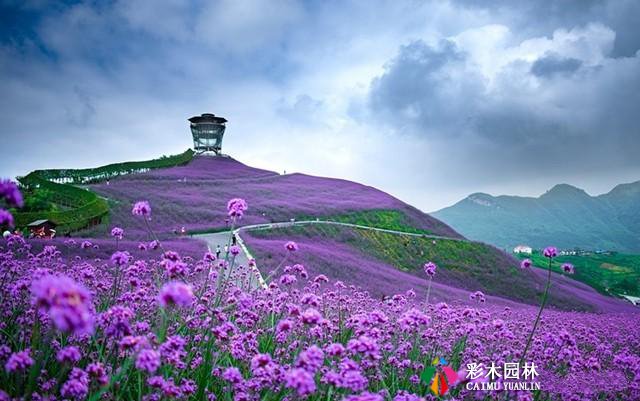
236	207
550	252
120	326
141	208
430	269
117	232
12	197
67	303
10	193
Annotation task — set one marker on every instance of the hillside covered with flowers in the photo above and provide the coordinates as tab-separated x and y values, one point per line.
150	323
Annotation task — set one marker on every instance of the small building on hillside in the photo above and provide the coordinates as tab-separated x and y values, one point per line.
523	249
42	229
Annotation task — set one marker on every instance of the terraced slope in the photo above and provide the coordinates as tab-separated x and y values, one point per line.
72	207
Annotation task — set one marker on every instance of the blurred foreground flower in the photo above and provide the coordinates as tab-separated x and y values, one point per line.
176	293
67	303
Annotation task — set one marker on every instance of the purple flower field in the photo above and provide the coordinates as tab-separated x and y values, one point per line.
80	328
194	197
139	317
340	261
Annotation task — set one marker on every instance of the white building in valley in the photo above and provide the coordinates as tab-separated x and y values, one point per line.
523	249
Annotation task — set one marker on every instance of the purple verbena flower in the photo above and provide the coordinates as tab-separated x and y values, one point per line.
310	359
430	269
477	296
232	375
301	381
77	386
291	246
120	258
141	208
236	207
97	371
568	268
67	303
176	293
366	396
19	361
288	279
148	360
6	219
550	252
69	355
311	316
234	250
525	264
117	232
11	194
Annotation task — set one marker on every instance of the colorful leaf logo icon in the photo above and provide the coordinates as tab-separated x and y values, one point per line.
443	376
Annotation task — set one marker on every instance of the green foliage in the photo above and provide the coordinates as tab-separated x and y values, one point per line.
86	208
103	173
462	264
79	208
609	274
38	200
379	218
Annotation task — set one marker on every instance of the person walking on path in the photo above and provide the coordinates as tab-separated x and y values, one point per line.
217	251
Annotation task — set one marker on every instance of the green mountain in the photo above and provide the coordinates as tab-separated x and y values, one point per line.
564	216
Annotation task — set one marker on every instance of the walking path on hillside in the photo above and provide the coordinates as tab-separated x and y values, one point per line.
222	238
267	226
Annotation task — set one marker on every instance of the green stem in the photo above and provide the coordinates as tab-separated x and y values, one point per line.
273	273
542	305
153	234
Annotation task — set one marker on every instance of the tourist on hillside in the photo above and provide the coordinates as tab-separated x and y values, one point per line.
234	240
217	251
226	249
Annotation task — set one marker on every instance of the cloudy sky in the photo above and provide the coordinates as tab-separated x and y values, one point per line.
427	100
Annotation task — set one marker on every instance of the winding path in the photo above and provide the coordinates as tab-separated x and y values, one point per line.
222	238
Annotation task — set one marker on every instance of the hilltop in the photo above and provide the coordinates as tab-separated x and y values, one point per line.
565	216
194	196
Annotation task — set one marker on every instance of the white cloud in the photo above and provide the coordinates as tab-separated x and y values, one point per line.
242	26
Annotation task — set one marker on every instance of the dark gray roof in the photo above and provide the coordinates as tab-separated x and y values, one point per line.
208	118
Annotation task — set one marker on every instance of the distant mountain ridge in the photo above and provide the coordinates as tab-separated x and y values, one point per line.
564	216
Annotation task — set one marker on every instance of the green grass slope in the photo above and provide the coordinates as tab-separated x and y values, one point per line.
466	265
615	274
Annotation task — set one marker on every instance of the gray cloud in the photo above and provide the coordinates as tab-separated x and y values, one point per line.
535	18
428	100
515	121
553	64
422	90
